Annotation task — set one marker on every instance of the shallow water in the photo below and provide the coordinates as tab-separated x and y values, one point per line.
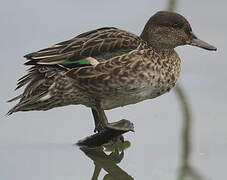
39	145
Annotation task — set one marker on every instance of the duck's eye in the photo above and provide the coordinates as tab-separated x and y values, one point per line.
175	25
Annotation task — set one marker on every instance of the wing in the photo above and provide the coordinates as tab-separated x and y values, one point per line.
113	75
90	44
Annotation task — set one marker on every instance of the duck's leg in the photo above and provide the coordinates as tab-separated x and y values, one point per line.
100	119
98	124
101	122
96	118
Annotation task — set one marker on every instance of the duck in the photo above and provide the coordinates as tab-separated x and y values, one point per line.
107	68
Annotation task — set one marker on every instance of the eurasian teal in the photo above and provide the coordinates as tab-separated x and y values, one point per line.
107	67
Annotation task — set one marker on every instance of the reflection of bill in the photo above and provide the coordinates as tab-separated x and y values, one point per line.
108	162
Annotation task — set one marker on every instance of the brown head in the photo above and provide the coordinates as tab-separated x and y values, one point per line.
167	30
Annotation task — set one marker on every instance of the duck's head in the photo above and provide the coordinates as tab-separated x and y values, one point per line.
167	30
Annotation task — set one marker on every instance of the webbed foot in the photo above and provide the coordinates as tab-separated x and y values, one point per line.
109	133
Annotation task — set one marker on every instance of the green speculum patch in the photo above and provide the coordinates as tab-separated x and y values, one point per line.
76	63
80	61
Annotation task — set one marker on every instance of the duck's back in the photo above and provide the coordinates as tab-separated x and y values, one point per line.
102	44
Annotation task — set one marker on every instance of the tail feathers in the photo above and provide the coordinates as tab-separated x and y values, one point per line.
34	103
15	98
38	80
13	110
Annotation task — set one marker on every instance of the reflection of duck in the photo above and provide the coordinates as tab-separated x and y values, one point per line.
107	68
108	162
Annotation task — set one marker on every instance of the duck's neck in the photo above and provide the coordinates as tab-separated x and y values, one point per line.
163	52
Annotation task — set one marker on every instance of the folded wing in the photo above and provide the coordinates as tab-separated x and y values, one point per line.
90	44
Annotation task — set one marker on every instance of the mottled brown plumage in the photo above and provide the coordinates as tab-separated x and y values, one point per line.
125	68
99	42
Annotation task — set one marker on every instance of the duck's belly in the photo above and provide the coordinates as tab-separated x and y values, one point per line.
132	97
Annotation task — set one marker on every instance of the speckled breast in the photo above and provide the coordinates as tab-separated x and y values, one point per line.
155	75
